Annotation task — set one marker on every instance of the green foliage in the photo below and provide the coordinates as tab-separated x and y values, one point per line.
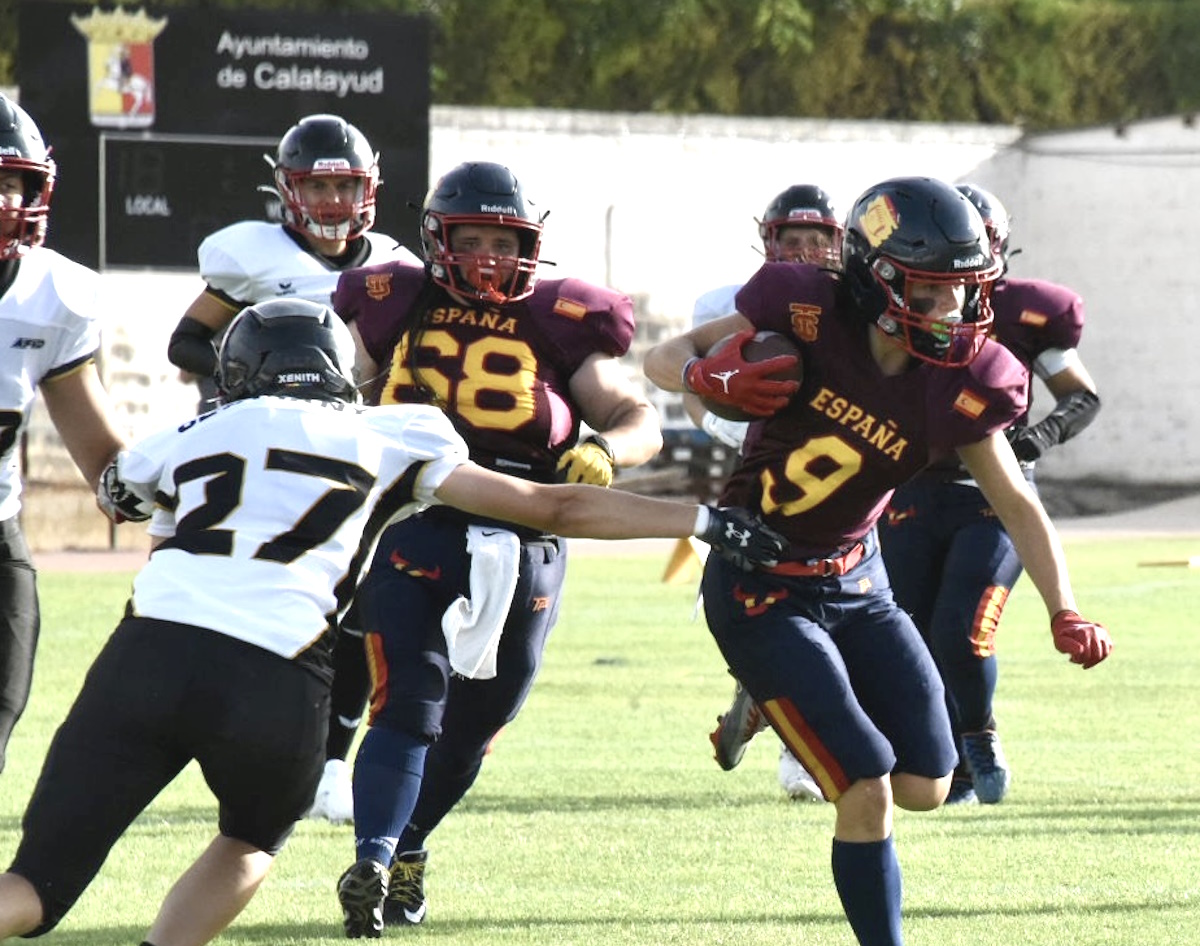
600	816
1042	63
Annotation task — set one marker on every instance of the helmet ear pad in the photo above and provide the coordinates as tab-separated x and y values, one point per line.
866	293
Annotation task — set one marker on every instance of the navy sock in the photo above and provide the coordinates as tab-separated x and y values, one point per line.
387	779
867	877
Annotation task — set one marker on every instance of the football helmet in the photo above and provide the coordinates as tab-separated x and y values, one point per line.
291	347
918	229
23	150
483	194
802	205
325	145
995	218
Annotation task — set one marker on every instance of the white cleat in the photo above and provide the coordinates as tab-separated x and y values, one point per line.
334	800
795	779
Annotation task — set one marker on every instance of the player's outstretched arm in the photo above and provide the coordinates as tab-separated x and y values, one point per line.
992	464
594	512
81	412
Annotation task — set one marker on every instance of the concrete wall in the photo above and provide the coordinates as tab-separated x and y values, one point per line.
1112	213
664	208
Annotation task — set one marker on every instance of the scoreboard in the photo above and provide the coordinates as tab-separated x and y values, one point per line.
161	195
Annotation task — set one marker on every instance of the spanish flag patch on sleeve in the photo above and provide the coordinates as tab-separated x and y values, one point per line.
970	404
570	308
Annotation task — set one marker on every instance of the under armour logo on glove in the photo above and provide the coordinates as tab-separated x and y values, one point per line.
742	538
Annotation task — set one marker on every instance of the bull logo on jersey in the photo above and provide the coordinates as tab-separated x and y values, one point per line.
758	604
880	220
120	49
378	286
804	320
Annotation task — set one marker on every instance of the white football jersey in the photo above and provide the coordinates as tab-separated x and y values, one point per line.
269	508
48	327
715	304
253	260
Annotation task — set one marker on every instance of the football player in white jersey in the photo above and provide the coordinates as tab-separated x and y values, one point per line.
49	335
325	177
264	514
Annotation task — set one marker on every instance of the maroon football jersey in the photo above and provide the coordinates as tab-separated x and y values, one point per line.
1032	316
822	470
500	372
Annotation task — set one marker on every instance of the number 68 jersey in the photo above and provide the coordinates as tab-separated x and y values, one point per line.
268	509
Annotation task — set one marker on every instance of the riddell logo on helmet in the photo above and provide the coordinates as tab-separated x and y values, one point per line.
331	166
970	262
497	209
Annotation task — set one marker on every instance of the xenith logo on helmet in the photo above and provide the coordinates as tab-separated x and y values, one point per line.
497	209
298	377
970	262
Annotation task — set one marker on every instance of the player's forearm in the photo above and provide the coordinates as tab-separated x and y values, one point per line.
664	362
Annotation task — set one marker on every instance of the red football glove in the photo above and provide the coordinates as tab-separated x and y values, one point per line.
1084	642
728	378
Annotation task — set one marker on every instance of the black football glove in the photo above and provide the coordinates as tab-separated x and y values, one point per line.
742	538
1029	443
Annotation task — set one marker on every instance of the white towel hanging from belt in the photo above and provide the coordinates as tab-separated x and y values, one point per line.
473	625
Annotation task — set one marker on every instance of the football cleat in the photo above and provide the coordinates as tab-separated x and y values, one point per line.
735	728
795	779
361	892
987	765
334	800
962	790
405	903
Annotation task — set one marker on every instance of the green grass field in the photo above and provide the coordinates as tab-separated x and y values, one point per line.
600	817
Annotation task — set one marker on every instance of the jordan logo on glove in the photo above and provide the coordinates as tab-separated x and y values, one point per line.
724	377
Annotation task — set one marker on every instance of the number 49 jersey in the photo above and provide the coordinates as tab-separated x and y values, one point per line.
269	508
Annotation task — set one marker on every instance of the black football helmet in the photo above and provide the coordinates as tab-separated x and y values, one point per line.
22	150
291	347
918	229
802	205
995	218
326	145
484	194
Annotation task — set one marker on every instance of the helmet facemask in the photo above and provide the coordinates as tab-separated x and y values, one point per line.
328	220
808	206
945	340
23	152
492	279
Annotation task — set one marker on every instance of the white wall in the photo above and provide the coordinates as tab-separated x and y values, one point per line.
1114	215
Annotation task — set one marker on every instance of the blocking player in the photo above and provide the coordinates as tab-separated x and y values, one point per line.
518	364
263	514
951	562
898	371
800	225
325	175
49	337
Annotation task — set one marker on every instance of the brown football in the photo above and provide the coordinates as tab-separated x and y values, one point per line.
762	346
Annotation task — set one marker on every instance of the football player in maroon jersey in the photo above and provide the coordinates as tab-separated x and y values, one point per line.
518	364
898	372
951	562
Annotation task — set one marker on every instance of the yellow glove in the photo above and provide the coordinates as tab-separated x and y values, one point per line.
589	461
